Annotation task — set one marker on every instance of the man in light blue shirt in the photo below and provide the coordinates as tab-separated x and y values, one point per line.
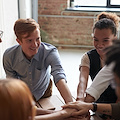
34	62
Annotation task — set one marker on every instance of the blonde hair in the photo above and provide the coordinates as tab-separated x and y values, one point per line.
16	102
109	15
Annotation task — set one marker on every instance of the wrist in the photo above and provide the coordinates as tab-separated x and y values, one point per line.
94	107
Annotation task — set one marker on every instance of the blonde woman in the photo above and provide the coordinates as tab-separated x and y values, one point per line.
16	103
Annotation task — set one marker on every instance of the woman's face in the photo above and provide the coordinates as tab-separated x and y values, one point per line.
102	39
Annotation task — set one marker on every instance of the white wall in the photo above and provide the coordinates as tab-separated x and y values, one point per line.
8	15
25	8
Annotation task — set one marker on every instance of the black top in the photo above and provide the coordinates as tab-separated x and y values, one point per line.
108	96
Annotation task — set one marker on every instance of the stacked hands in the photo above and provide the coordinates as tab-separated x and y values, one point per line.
77	109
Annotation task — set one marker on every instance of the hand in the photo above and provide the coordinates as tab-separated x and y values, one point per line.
89	98
81	107
80	99
67	113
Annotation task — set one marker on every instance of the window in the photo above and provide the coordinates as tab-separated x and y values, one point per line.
90	3
97	3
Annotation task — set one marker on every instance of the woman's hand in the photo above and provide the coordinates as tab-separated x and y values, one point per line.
81	107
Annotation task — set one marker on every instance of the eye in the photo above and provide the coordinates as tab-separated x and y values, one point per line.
105	40
95	39
38	39
29	41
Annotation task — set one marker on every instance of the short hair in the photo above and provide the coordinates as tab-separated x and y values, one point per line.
16	102
113	56
106	23
25	26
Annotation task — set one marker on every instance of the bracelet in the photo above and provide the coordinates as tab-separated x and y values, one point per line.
94	107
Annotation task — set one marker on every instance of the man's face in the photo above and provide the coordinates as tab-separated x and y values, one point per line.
30	44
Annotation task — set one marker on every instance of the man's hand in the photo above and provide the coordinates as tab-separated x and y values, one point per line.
81	107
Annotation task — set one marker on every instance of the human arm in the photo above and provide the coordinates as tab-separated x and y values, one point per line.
100	82
8	63
83	80
40	111
64	90
56	115
59	76
84	107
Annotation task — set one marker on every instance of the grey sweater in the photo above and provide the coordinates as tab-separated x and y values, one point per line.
116	111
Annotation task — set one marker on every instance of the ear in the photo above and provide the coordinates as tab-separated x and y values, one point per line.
19	41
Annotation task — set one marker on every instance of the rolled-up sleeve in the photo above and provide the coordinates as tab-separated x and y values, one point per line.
57	70
101	82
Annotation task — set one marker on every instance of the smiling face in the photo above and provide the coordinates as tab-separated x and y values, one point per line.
102	39
30	44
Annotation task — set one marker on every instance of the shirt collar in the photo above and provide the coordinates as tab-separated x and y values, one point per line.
22	57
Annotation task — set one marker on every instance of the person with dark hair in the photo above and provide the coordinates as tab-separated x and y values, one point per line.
104	32
112	109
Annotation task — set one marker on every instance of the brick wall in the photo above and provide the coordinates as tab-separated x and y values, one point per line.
64	27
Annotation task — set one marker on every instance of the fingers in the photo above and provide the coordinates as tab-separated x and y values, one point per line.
78	113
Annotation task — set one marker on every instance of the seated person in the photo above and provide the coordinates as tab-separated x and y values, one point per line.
31	60
104	32
16	103
113	109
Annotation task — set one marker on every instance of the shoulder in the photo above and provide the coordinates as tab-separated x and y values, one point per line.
47	46
93	51
12	50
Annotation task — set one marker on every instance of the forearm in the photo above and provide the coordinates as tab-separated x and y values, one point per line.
40	111
104	109
83	80
64	91
53	116
62	114
81	89
101	108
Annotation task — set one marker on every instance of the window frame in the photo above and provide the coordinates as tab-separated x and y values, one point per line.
108	5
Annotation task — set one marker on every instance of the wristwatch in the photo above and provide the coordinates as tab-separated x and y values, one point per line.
94	107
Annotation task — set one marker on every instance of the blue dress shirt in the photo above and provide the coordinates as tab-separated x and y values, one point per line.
37	72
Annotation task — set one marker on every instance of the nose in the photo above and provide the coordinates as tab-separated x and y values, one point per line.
100	44
35	44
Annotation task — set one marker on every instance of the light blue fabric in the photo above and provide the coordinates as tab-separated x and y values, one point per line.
36	73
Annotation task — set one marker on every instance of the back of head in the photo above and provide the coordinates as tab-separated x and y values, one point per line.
113	56
16	101
109	15
25	26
